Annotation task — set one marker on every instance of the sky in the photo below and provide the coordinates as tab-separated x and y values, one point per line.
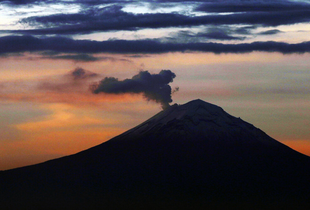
75	73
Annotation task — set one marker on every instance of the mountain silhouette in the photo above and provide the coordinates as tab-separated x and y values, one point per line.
191	156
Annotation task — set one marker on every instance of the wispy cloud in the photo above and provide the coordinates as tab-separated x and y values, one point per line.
79	57
211	33
270	32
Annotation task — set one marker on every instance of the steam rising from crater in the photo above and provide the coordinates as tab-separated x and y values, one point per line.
154	87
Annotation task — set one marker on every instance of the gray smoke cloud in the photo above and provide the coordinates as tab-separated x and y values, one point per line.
80	73
154	87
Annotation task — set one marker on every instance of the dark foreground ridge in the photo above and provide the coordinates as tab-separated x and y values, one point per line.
191	156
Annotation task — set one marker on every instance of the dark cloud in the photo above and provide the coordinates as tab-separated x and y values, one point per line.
80	73
83	2
214	33
128	21
154	87
18	44
79	57
74	57
102	19
109	18
219	35
270	32
92	15
245	30
263	12
179	1
101	2
18	2
252	6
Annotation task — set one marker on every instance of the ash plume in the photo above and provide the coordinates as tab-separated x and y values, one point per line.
154	87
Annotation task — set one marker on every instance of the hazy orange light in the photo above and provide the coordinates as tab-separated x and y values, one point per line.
302	146
37	147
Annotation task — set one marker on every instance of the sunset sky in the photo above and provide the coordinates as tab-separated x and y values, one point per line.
75	73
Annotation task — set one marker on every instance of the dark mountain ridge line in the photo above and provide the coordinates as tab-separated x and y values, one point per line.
194	154
160	117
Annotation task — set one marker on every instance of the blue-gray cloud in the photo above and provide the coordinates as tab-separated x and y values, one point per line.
18	2
83	2
270	32
19	44
112	17
73	57
212	33
77	57
252	6
154	87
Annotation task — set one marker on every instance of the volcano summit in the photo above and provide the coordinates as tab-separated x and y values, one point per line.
190	156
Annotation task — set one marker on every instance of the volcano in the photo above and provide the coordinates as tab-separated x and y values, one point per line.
191	156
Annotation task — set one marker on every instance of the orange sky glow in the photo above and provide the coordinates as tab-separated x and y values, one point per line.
69	69
54	115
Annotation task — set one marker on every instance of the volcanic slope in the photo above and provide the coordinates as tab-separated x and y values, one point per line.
190	156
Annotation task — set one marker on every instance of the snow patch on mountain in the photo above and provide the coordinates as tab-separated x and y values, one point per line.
198	116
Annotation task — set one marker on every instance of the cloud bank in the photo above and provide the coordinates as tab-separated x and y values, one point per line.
111	17
154	87
18	44
153	26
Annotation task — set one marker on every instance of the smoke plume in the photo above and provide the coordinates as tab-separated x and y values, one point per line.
154	87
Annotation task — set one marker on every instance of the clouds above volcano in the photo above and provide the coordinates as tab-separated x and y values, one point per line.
19	44
82	27
114	18
94	16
